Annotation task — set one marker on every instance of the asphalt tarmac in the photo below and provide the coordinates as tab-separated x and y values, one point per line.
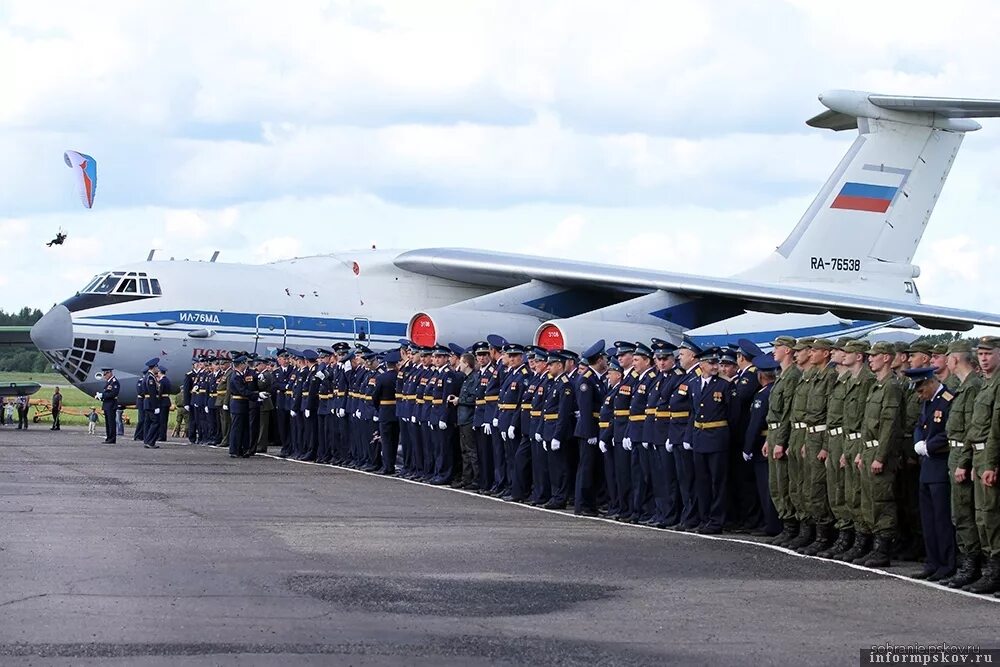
115	554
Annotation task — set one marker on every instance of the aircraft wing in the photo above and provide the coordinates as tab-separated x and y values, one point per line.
505	269
15	336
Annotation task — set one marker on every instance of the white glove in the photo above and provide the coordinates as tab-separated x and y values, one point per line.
538	437
307	413
545	446
375	418
670	446
687	446
487	429
921	448
357	414
263	395
413	420
747	456
627	444
99	395
591	441
496	422
187	408
156	411
321	375
430	425
503	435
341	412
510	433
603	446
346	365
333	411
293	413
224	407
442	425
206	410
645	445
554	445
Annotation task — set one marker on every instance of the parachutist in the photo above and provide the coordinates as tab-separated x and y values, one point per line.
58	240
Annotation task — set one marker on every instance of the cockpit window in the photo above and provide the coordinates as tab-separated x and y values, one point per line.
107	285
121	282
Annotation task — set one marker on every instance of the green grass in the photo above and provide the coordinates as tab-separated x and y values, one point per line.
73	399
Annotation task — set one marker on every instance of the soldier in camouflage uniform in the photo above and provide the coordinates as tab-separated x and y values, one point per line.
939	360
858	542
797	470
963	504
815	450
779	430
835	439
883	437
983	435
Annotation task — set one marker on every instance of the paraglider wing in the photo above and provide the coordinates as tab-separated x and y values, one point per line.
85	169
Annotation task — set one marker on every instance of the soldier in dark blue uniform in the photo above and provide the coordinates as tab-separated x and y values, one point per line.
558	392
541	489
282	401
310	407
753	444
187	394
445	414
241	390
384	400
644	376
623	442
324	379
515	383
211	412
743	512
708	434
483	427
140	407
501	479
343	374
666	491
151	405
680	409
931	445
109	404
606	437
590	388
165	388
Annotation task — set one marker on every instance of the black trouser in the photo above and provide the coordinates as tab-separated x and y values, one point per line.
140	416
642	490
470	457
711	480
484	443
388	432
239	434
284	431
164	416
588	477
55	420
541	489
110	432
150	426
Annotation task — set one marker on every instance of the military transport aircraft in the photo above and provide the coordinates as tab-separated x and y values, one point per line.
845	269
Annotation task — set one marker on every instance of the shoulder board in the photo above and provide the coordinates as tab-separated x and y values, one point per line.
587	373
697	372
947	395
752	369
524	371
564	379
634	374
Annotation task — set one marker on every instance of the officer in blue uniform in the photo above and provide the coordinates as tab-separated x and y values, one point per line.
343	374
541	489
606	437
165	388
744	512
211	412
515	383
753	442
558	393
187	395
151	405
680	407
708	434
666	490
109	404
622	447
644	376
931	445
484	429
384	401
324	380
140	408
240	389
501	478
590	389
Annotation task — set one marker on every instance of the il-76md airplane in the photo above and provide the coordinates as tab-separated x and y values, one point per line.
845	269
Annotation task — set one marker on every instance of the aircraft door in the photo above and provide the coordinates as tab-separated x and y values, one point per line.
271	333
362	330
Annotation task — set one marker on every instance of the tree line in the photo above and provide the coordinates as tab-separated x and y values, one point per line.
26	358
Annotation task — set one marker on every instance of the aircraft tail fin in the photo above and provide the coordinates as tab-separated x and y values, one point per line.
863	228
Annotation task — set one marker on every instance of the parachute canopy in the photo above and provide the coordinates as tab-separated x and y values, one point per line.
85	170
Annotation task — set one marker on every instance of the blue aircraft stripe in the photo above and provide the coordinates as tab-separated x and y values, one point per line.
204	318
884	192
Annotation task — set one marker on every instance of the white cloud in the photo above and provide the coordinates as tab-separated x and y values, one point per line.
670	135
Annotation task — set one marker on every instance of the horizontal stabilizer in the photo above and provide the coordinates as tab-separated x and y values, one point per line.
847	106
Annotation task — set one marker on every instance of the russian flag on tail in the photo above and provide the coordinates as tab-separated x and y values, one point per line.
865	197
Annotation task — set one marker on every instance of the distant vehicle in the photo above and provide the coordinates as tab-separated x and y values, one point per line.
844	270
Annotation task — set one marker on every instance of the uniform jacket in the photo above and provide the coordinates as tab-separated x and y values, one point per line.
708	431
932	429
756	430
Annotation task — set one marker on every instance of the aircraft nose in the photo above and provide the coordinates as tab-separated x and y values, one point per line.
54	331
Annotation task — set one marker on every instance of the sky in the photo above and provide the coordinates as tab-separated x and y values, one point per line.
653	134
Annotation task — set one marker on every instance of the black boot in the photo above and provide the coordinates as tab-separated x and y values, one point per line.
859	552
879	557
823	541
968	570
807	533
788	533
844	542
990	581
